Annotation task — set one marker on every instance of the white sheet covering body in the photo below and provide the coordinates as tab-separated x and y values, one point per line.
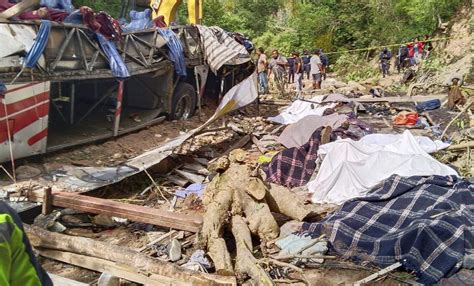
351	168
300	109
426	143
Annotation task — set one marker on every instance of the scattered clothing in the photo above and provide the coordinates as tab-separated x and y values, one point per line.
63	5
405	118
138	21
428	105
300	132
176	51
101	23
426	223
117	65
294	167
351	168
301	245
198	262
197	189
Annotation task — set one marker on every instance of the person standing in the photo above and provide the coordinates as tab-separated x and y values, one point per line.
277	65
385	57
291	68
306	65
411	53
325	63
18	265
262	71
298	75
316	67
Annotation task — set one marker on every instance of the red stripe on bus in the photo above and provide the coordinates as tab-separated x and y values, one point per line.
37	137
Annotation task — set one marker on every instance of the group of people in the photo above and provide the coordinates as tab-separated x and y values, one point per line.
291	70
408	55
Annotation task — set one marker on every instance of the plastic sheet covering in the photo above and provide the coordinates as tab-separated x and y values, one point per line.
139	21
351	168
299	109
65	5
176	51
38	47
118	67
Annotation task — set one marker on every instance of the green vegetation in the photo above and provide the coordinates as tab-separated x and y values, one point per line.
334	25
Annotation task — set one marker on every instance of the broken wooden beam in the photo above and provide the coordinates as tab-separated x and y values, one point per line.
117	260
123	210
19	8
59	280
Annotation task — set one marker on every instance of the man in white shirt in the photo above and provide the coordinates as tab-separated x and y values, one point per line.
316	66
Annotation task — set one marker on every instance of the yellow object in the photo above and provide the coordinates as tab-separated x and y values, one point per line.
168	9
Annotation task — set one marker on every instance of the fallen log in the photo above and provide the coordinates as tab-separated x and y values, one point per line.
43	240
281	200
19	8
245	262
218	201
461	146
124	210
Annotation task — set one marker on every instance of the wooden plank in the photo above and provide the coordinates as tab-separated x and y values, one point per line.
118	270
58	280
123	210
19	8
400	99
198	179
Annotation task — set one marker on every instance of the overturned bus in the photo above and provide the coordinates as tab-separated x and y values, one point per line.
71	95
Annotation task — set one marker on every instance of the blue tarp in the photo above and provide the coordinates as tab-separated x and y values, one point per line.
38	46
139	21
64	5
118	67
428	105
176	51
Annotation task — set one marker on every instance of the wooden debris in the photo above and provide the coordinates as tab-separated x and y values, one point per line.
281	200
246	263
132	212
190	176
461	146
47	206
197	168
19	8
177	180
378	274
96	252
158	240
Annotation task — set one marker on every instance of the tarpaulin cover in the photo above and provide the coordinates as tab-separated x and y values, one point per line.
138	21
65	5
425	223
428	105
118	67
299	109
351	168
176	51
428	145
299	133
39	45
294	167
221	49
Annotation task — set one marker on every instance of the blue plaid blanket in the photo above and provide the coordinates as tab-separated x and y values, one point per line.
426	223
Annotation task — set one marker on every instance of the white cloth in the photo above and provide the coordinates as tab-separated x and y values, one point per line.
300	109
351	168
314	62
428	145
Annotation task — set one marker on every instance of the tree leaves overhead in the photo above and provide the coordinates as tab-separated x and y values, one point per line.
330	24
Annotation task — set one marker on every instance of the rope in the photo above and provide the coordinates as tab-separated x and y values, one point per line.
12	159
391	45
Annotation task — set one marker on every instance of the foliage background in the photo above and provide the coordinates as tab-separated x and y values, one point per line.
334	25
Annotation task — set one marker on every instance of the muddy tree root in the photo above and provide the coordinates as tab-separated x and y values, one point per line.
246	263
